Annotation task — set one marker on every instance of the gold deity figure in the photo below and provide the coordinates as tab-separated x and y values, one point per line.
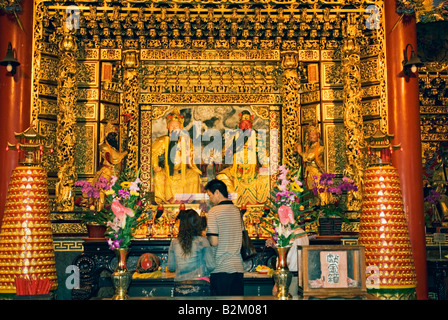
312	156
172	161
247	176
111	159
111	156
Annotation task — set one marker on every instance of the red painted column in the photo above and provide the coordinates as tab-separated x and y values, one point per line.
15	92
404	123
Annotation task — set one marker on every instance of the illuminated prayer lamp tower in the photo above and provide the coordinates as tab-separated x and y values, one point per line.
26	238
383	228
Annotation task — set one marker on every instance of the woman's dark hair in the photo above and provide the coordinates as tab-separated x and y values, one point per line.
216	184
190	226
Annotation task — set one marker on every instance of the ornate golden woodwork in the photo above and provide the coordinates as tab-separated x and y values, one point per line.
354	138
283	59
290	109
433	107
67	93
130	106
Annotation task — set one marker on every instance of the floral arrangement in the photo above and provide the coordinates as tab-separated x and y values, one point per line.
432	197
287	212
329	193
432	215
123	208
91	191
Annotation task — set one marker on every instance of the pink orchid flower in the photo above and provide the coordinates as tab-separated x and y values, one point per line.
113	179
285	214
121	211
134	185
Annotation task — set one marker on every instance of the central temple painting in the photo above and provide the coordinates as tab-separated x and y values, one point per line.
230	142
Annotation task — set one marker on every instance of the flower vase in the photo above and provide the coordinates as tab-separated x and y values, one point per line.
282	275
121	278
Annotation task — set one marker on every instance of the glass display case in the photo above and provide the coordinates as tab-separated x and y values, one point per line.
331	270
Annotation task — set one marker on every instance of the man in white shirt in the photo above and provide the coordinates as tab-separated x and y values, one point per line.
224	231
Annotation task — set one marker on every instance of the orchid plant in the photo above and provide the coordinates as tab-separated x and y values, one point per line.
432	197
91	191
431	211
288	214
329	192
123	208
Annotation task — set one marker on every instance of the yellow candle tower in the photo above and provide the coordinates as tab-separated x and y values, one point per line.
26	238
383	228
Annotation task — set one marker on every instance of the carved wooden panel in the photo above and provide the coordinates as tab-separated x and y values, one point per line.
334	141
86	148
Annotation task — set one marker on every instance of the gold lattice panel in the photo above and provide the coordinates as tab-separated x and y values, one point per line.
335	147
86	148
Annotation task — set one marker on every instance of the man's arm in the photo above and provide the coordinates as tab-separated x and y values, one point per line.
212	229
213	239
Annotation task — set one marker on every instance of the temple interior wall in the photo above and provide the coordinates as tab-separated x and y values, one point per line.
292	65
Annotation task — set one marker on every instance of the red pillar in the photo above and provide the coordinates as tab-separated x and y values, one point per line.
15	92
404	123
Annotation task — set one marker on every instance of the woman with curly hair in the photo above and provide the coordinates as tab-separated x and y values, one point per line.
191	257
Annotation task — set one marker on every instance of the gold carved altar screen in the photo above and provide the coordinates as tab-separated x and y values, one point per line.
212	88
290	63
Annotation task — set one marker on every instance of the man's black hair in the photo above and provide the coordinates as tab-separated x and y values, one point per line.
216	184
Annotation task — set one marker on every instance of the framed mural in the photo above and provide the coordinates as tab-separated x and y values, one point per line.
212	133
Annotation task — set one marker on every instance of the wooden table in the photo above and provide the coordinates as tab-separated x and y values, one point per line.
255	284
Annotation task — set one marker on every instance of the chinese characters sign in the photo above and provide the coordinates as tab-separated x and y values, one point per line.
334	269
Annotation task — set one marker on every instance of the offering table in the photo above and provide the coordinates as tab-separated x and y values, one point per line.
97	262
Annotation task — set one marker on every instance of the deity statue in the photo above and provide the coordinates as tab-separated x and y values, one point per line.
111	159
440	208
312	156
435	179
111	156
248	175
172	161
